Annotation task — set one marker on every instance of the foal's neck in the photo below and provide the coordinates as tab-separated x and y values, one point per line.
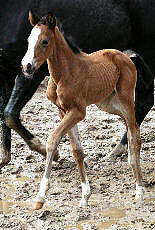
62	59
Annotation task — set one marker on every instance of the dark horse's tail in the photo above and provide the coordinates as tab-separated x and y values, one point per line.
145	76
144	86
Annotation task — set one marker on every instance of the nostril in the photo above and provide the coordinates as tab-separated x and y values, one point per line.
29	66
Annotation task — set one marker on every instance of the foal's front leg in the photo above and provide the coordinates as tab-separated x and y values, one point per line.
70	119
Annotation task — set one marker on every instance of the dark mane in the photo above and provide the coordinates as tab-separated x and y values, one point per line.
72	44
69	39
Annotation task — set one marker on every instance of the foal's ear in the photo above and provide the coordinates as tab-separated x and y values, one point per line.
51	20
34	19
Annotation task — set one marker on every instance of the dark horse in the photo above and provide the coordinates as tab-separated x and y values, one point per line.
94	25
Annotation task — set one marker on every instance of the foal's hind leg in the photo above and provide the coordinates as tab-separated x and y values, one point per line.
118	106
144	99
134	143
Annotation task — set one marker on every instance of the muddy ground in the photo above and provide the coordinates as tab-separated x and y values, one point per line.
111	205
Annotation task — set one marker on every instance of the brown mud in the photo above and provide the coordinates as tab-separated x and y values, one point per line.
111	205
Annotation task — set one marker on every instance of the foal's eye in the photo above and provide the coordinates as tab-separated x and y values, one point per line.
44	43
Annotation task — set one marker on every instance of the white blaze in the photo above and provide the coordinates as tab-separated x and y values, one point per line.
32	40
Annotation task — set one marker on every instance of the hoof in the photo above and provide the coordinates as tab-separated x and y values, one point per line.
38	203
117	152
83	203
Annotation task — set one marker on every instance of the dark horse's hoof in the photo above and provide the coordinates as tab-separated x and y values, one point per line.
118	151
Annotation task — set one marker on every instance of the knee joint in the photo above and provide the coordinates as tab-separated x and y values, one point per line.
52	144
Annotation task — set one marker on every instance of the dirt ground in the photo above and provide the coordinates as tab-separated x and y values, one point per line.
111	205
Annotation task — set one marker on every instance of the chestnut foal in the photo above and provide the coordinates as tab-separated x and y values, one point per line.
106	78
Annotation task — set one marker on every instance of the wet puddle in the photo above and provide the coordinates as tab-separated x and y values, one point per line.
115	214
107	224
109	216
10	206
6	204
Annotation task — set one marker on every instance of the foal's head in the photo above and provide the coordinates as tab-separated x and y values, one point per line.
40	43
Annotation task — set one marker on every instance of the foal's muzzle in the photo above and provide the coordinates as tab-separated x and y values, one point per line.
28	69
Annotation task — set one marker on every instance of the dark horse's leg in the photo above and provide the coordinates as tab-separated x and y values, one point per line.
23	91
144	100
5	139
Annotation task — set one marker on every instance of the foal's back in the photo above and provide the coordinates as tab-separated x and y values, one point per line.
107	68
